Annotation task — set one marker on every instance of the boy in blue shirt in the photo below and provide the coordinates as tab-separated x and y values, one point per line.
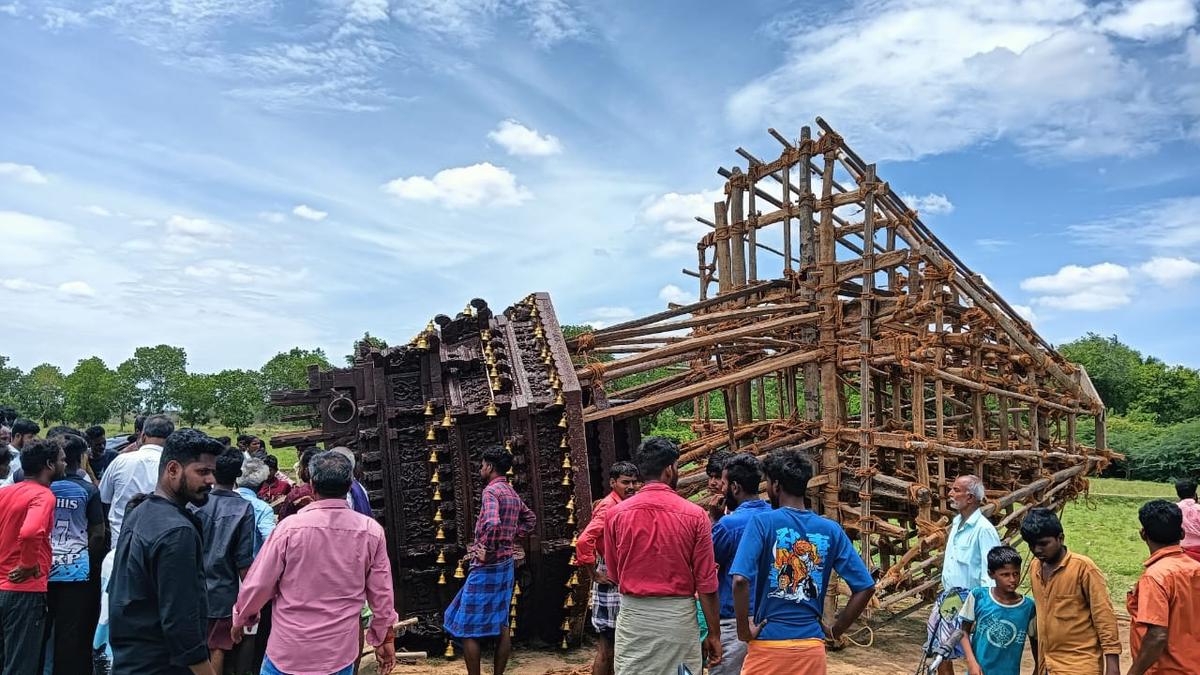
996	621
785	558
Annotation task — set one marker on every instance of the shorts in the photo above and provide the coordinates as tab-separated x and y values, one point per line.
218	633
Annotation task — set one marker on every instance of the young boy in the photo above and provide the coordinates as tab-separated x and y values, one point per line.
995	621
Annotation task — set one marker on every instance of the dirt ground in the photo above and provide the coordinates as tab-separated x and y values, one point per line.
895	650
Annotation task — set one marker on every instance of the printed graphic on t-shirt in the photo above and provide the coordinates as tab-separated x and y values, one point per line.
1002	633
797	573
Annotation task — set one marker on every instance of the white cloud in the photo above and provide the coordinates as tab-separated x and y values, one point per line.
32	240
145	222
18	284
308	213
57	18
1087	289
98	211
185	234
992	244
1169	225
931	204
1150	19
1191	48
367	11
944	76
672	216
11	9
675	294
673	248
600	317
1026	312
272	216
78	289
23	173
519	139
1169	271
480	184
471	22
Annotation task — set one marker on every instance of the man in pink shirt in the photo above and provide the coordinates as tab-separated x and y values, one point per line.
623	482
319	568
1186	490
26	517
659	551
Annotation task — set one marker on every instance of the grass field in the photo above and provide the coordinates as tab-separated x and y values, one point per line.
1104	527
287	456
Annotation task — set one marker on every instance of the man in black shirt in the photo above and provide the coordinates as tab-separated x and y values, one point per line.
99	456
228	531
158	606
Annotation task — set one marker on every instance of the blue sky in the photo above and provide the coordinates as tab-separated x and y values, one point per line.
241	176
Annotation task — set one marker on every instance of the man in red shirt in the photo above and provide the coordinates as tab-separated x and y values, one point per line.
659	551
26	518
623	482
1164	607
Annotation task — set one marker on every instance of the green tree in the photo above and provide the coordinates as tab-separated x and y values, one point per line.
289	370
90	392
1112	366
40	393
127	397
1170	393
160	370
370	341
196	395
239	397
9	376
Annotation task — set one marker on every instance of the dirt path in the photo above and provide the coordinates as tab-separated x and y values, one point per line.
896	650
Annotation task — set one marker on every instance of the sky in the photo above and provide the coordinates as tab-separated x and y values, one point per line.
238	177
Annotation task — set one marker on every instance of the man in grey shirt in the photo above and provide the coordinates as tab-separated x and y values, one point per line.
228	533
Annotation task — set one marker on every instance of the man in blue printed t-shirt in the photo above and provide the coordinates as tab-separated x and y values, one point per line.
77	543
787	556
742	476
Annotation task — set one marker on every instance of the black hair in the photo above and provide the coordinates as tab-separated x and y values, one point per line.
244	439
62	430
139	423
1185	488
1002	556
654	455
623	469
93	432
1161	520
36	455
331	474
790	468
500	459
73	447
716	463
135	501
186	446
307	455
229	466
25	426
745	470
223	440
6	457
8	415
160	426
1040	523
272	463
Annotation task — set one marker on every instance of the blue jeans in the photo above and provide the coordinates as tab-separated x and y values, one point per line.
270	669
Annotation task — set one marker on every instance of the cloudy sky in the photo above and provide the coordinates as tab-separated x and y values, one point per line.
241	176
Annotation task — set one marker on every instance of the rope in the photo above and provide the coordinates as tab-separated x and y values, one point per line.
586	341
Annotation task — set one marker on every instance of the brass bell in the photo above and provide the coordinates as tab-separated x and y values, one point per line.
422	342
513	604
575	537
558	398
513	612
458	572
574	580
570	602
441	559
430	435
566	624
429	408
570	517
437	493
567	465
442	579
447	420
495	384
572	562
491	360
508	445
492	411
437	518
429	328
492	370
485	335
433	458
571	501
516	591
563	442
547	360
566	481
564	644
435	479
512	625
468	310
533	313
509	473
449	650
538	332
562	423
441	534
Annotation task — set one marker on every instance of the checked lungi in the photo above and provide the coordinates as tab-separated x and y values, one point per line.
481	607
606	602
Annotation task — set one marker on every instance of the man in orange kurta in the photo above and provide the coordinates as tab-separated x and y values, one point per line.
1164	607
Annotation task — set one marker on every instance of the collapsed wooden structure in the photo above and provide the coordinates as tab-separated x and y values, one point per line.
867	344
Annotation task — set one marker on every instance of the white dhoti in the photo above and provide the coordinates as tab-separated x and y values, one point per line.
656	635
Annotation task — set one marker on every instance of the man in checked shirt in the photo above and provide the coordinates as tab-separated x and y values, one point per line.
480	610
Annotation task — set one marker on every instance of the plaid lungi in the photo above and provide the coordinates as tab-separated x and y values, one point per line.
606	602
481	607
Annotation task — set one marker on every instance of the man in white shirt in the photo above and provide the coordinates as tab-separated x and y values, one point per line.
23	432
134	472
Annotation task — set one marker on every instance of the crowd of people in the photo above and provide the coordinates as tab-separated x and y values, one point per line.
181	553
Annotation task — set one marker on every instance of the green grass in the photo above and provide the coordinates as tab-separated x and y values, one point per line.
1131	488
287	456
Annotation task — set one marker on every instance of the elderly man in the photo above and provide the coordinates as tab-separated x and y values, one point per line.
347	554
131	473
964	567
254	473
